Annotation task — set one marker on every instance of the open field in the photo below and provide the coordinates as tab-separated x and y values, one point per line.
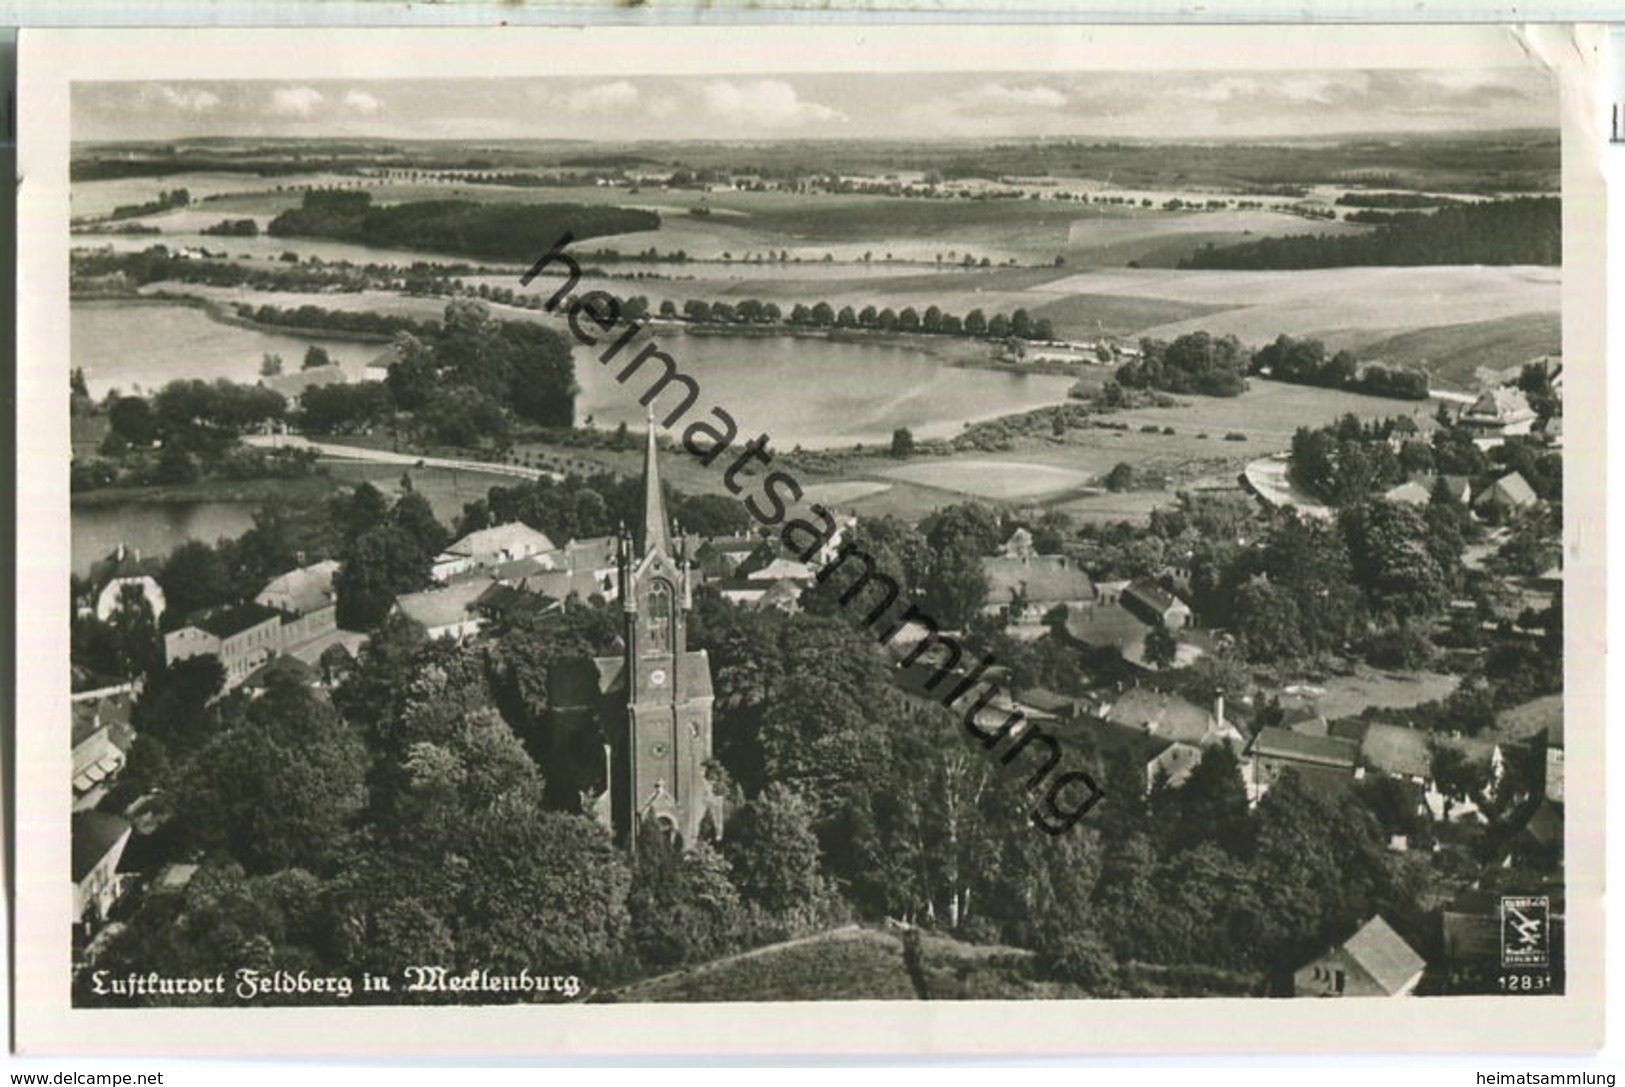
1344	696
858	249
992	479
853	964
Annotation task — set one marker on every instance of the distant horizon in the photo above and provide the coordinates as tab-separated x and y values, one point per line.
924	106
653	141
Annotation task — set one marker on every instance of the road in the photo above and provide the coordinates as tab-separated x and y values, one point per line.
385	456
1268	479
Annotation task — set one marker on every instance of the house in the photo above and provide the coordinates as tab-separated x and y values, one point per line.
98	844
1159	757
720	556
1510	492
242	637
1500	412
301	591
1022	590
1155	604
1300	712
1111	592
1535	727
292	385
306	598
1411	493
563	584
1106	624
1394	750
1157	713
1539	843
102	738
593	555
1018	546
1551	430
1318	760
124	568
447	612
1375	961
1423	487
488	547
781	569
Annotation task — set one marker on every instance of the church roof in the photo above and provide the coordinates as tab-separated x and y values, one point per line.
653	532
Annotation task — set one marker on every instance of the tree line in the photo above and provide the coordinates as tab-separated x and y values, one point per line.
1199	362
932	320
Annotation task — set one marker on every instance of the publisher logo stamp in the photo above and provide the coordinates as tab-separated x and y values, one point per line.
1525	931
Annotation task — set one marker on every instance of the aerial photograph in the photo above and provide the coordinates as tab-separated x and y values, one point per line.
796	537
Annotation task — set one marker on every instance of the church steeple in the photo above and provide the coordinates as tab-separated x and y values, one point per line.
654	532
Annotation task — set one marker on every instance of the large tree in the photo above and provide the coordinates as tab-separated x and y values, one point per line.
381	564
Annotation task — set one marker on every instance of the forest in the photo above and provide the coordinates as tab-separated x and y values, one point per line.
498	231
1527	230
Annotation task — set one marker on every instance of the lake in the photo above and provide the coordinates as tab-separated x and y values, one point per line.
127	345
802	391
152	528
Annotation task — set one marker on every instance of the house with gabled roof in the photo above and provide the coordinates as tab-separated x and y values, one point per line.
1375	961
98	841
102	738
1510	492
490	546
1503	412
243	637
122	569
447	612
1157	713
1022	589
1319	760
1155	604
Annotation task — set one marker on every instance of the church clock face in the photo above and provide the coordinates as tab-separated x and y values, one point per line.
657	678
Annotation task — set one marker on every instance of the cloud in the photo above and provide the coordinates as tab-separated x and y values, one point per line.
296	101
190	100
763	103
1002	95
1283	89
362	102
616	97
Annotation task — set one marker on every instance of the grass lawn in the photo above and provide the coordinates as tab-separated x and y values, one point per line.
1345	696
853	964
858	964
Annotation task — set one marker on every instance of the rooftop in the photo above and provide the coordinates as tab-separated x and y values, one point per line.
95	834
1161	714
1393	749
228	621
445	607
1384	954
513	538
1042	579
307	589
1319	750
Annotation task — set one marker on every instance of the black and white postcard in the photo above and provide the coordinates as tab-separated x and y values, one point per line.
921	539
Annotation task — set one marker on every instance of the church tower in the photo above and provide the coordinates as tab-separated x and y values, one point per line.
657	762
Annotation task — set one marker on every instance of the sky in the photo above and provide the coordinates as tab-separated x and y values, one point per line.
859	105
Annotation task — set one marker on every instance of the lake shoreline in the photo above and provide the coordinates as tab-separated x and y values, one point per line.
237	492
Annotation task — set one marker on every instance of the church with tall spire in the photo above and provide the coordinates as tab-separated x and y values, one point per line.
630	734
